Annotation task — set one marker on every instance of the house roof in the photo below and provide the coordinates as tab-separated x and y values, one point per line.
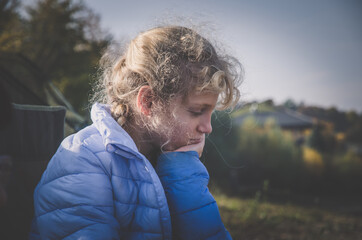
285	118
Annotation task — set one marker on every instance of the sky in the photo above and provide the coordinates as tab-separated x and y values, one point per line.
309	51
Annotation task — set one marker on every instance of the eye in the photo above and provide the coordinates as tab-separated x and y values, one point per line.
196	113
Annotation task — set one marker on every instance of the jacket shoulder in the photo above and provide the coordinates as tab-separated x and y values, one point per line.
77	154
89	137
75	196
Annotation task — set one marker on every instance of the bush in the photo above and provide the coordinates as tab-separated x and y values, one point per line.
269	153
241	158
348	164
313	160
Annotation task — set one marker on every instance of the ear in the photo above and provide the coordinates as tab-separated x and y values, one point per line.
145	99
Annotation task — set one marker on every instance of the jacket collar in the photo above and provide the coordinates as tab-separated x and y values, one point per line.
115	138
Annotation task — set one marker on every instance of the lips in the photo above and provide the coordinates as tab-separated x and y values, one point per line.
195	140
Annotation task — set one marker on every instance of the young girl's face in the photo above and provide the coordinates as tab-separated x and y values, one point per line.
190	121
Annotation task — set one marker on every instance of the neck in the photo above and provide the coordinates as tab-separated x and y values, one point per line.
143	142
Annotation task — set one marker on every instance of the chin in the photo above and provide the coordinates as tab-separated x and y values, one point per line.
169	147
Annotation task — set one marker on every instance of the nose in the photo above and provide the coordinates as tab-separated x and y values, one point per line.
205	125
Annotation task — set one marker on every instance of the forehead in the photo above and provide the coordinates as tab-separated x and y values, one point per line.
201	98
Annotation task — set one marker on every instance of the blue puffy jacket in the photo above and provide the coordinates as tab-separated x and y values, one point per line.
98	186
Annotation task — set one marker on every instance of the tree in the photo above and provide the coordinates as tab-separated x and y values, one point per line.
10	26
64	39
289	103
354	131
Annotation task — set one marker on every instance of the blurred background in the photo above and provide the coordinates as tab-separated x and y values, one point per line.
286	163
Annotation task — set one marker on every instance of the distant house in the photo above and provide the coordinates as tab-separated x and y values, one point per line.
285	118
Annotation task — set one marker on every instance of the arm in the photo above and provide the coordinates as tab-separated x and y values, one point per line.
74	198
194	212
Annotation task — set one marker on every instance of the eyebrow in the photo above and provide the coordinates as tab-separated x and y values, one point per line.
201	105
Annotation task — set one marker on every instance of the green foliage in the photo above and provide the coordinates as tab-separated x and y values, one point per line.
62	38
354	131
219	154
270	152
252	213
52	33
341	121
11	26
254	219
322	139
65	41
290	104
349	164
241	158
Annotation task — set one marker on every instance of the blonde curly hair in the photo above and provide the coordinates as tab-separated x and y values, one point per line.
173	61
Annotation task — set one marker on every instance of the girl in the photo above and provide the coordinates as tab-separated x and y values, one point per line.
135	172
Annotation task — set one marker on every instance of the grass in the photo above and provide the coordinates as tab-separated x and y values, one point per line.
259	220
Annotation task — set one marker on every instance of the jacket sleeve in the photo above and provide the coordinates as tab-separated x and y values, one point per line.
194	212
74	199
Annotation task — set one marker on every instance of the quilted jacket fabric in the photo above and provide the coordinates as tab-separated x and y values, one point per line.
194	212
98	186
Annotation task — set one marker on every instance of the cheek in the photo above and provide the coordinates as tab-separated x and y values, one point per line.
177	130
182	133
170	135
